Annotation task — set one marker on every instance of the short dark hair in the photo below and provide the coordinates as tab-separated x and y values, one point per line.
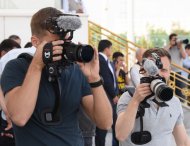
172	35
187	46
8	44
28	45
116	55
38	25
14	37
104	44
160	52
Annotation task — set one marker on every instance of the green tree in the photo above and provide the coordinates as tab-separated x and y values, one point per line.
176	28
157	37
142	41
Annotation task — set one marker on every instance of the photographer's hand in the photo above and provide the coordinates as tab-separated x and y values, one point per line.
91	69
126	119
142	91
182	50
57	51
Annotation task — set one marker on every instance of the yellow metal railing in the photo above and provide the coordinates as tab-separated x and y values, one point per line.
97	32
185	84
128	48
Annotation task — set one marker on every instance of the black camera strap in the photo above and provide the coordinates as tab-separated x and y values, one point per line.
141	137
49	116
161	104
47	54
53	116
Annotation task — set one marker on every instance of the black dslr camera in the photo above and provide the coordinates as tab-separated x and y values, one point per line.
157	83
184	41
64	26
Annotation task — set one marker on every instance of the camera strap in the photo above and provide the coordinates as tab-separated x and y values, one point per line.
141	137
53	116
161	104
49	116
47	53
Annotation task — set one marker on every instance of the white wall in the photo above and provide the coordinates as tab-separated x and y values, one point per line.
17	21
26	4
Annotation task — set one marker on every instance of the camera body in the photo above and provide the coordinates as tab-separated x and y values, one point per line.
157	83
159	88
73	52
183	41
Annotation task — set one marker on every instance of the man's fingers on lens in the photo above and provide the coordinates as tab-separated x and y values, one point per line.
58	42
57	51
56	58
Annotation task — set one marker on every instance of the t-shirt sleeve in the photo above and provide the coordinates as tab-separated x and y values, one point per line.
123	102
13	75
181	115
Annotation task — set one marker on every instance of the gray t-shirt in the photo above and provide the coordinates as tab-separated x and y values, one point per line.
176	58
160	123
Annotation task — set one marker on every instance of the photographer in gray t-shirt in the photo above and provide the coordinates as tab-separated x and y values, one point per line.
158	120
177	53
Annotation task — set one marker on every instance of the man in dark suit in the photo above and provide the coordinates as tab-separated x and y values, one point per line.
107	72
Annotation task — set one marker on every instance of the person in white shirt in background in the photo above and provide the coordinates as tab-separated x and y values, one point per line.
134	71
73	6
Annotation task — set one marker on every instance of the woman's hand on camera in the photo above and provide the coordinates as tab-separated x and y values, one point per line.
142	91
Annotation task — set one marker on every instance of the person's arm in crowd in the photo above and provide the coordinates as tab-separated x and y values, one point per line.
2	102
126	119
4	109
186	63
97	105
182	50
180	135
21	100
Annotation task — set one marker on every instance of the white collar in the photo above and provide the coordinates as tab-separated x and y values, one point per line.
105	57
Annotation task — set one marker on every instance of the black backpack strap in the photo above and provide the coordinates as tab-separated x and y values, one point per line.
131	90
49	116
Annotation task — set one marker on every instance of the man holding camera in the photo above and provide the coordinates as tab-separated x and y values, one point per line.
160	119
177	53
32	101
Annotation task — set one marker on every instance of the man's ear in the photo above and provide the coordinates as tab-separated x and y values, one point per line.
3	53
35	41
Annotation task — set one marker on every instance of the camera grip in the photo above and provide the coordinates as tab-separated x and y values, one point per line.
47	54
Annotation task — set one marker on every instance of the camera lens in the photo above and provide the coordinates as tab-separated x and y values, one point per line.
80	53
185	41
161	90
164	92
85	53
